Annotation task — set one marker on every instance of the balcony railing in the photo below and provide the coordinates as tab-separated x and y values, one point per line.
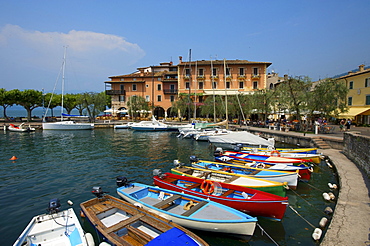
255	76
170	91
115	92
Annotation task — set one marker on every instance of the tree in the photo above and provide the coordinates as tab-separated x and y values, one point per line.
30	99
52	101
94	103
7	98
264	101
137	105
70	102
293	93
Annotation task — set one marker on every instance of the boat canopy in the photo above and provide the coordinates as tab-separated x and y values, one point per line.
242	137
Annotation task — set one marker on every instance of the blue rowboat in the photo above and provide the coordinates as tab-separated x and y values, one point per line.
189	211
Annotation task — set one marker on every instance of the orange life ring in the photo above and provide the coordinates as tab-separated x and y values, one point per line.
207	187
275	152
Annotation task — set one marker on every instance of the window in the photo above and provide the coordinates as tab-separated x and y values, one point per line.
228	85
367	100
367	82
351	85
214	85
241	71
134	79
241	85
227	71
255	85
159	87
159	79
200	85
172	98
255	71
122	79
214	72
349	101
159	98
134	87
201	72
147	98
187	72
187	85
172	88
147	86
122	98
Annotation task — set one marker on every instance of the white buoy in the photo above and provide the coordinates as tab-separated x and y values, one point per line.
331	195
328	210
323	222
316	235
104	244
70	203
335	186
326	196
330	185
89	239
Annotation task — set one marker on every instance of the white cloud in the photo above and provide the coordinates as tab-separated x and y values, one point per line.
94	55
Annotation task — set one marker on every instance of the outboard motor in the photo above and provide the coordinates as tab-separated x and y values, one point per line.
158	172
98	192
237	149
193	158
218	151
176	163
123	181
54	206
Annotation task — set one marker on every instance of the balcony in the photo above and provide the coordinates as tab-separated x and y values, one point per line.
200	77
170	91
115	92
255	76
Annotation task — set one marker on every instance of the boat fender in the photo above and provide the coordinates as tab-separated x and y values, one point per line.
136	204
189	205
104	244
331	195
70	203
82	214
286	186
310	169
328	210
275	153
323	222
326	196
316	235
89	239
332	186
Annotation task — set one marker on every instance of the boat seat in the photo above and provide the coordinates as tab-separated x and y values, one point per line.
124	223
163	203
195	208
231	179
228	192
135	233
196	185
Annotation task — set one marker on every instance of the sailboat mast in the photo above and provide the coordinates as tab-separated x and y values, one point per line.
227	117
195	90
190	80
63	78
214	99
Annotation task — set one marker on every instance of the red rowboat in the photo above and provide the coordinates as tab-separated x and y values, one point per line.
250	201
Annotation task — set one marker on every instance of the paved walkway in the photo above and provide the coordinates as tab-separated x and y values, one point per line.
350	224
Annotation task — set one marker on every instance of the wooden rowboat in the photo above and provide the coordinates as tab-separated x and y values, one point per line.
250	201
189	211
285	150
121	223
272	187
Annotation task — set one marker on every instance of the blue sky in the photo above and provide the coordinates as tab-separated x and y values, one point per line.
313	38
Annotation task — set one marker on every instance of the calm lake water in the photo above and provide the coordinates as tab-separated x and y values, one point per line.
66	165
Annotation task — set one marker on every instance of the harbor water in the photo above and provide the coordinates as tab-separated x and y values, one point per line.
67	164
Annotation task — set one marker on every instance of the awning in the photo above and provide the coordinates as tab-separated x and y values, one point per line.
352	112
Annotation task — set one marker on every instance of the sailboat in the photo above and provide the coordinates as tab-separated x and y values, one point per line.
68	124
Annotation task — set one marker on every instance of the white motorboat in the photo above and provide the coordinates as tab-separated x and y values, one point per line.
55	228
20	128
153	125
124	126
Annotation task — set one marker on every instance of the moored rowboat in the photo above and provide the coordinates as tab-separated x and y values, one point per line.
251	201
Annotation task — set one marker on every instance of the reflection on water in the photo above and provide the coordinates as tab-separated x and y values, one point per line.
66	164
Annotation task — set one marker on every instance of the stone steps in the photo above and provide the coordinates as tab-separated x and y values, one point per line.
320	143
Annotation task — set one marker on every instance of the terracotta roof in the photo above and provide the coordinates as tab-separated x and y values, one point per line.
221	62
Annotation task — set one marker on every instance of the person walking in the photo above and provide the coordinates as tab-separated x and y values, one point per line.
348	124
342	125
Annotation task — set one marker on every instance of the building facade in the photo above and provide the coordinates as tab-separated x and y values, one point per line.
162	85
358	99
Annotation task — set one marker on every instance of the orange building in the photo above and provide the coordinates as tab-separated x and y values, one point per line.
161	85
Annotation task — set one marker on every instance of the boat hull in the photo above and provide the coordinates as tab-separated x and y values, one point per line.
212	217
257	203
67	125
39	230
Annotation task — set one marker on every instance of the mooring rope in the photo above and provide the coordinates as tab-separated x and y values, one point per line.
302	217
263	231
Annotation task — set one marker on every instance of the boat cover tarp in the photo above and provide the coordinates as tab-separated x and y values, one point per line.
242	137
173	236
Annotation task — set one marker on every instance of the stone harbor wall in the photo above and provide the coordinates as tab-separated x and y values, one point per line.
357	149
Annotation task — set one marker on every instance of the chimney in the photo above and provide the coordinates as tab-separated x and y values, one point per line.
361	67
180	59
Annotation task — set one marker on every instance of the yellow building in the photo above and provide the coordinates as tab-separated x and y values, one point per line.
358	99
